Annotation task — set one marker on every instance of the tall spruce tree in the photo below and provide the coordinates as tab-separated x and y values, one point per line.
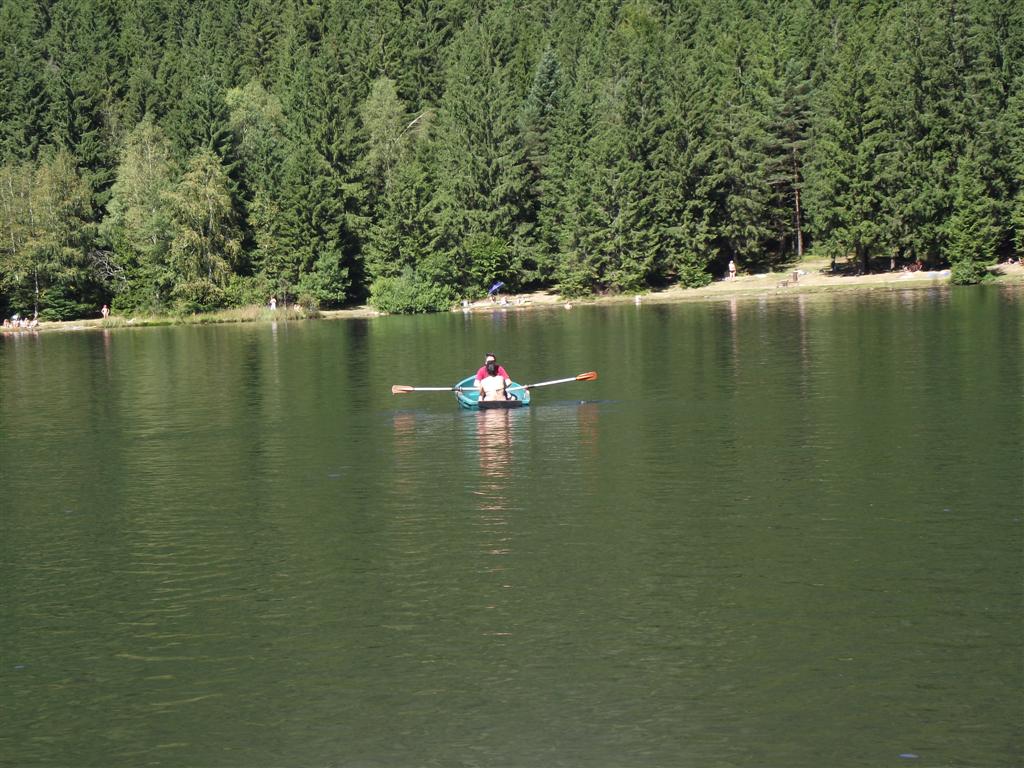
484	182
975	230
84	81
1014	121
396	171
540	112
322	197
847	160
25	105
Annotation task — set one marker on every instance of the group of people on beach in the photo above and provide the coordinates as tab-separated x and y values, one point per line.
19	323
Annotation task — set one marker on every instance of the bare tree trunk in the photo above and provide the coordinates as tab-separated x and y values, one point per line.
799	215
799	228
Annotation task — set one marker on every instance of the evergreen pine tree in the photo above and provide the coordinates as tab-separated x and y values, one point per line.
484	183
845	173
1014	122
25	102
540	114
974	230
84	82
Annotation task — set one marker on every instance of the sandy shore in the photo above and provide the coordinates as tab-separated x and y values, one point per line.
809	277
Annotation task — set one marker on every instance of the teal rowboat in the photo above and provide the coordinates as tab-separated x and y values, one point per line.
468	396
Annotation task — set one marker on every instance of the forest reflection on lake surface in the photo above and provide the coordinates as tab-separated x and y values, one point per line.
772	533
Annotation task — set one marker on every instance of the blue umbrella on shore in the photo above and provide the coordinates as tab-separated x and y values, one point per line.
495	288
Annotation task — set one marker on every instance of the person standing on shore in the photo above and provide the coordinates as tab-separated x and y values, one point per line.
105	311
732	269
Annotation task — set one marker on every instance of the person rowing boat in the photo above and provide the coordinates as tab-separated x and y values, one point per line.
493	388
493	381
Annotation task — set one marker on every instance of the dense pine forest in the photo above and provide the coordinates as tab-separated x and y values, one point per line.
179	156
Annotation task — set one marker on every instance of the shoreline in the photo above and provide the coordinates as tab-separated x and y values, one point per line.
808	278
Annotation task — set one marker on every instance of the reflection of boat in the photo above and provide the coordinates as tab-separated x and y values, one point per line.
468	396
494	450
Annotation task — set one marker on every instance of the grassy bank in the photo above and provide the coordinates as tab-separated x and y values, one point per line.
250	314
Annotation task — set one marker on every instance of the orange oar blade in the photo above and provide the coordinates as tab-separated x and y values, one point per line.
588	376
401	389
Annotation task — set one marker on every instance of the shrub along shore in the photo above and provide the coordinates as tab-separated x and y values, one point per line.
808	278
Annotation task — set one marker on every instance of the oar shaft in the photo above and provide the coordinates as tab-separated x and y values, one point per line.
399	389
543	383
589	376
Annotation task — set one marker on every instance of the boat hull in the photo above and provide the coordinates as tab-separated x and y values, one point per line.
469	397
503	405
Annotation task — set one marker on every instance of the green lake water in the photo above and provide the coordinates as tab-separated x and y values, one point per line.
773	533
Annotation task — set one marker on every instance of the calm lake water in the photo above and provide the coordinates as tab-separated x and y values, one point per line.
783	533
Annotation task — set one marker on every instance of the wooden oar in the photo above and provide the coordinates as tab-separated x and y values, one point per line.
588	376
401	389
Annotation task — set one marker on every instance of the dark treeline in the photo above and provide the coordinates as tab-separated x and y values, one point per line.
176	155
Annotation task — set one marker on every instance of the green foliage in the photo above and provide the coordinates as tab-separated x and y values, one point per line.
206	238
974	232
257	121
405	294
402	232
327	283
483	178
138	223
312	232
1014	130
46	234
692	271
848	164
386	124
248	290
158	154
25	104
489	259
967	272
57	306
